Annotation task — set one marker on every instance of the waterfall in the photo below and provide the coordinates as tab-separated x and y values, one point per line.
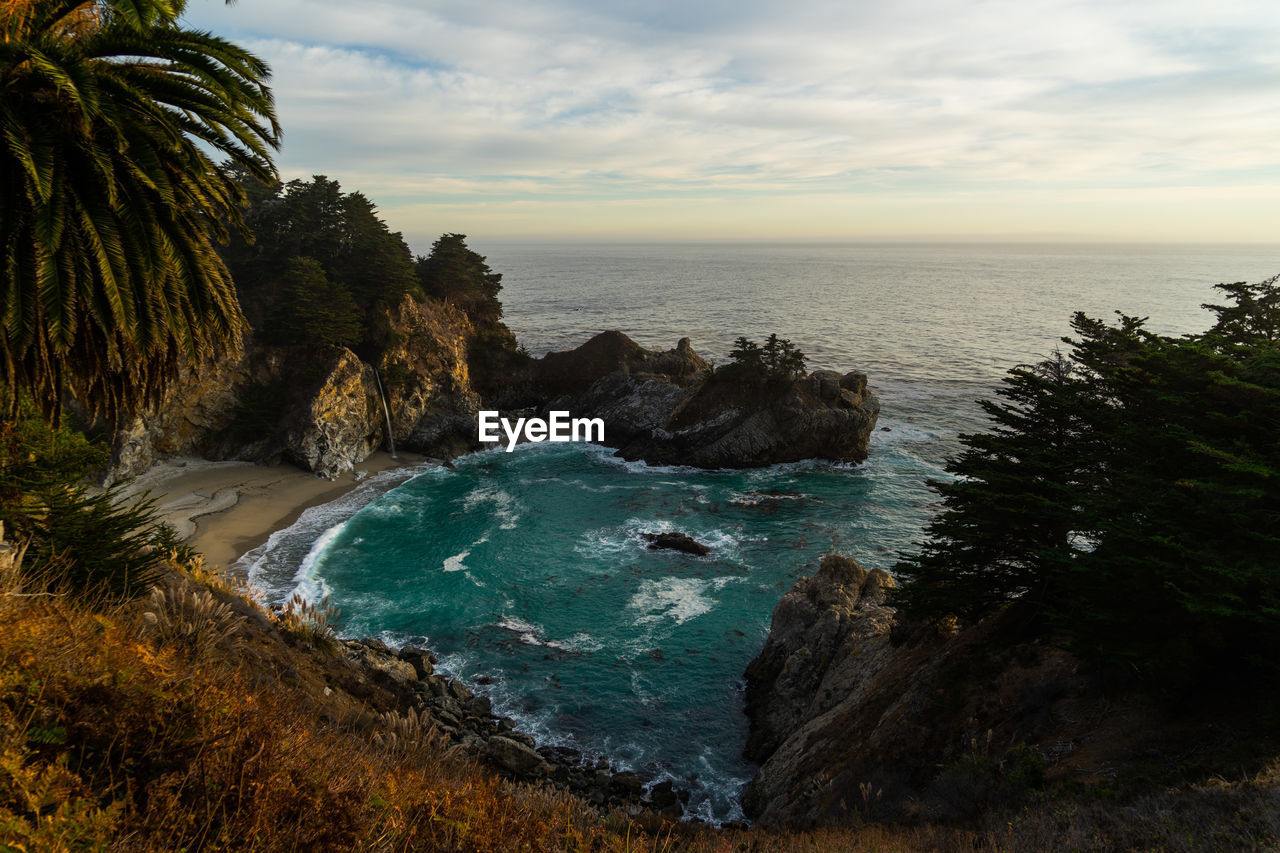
391	439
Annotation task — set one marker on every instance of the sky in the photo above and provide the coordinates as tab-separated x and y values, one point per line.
797	120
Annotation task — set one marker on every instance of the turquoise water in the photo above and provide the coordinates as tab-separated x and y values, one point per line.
526	571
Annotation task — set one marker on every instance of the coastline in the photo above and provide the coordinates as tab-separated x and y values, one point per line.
225	509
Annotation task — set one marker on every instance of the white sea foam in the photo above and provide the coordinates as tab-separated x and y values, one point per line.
505	506
583	642
273	565
526	632
454	563
674	599
307	581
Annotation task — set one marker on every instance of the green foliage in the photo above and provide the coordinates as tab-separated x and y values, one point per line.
33	451
314	309
91	544
493	355
109	203
454	273
778	360
1127	495
332	246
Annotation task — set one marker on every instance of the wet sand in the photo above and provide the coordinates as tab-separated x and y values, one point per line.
224	509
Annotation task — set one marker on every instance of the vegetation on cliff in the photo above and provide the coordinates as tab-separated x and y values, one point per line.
311	238
457	275
323	269
776	361
109	202
191	719
1127	498
88	543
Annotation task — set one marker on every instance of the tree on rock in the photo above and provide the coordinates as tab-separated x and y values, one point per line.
777	361
454	273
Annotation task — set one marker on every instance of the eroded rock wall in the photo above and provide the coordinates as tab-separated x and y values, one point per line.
317	407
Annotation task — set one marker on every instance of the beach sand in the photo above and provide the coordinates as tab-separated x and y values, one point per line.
224	509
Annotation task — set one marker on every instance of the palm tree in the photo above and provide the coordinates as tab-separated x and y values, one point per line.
111	113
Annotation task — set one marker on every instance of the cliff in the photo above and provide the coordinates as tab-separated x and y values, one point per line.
318	406
670	408
856	716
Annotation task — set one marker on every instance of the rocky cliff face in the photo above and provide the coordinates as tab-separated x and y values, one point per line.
317	407
804	669
667	408
856	716
336	420
427	379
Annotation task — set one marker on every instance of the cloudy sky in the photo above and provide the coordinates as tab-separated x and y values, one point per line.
807	119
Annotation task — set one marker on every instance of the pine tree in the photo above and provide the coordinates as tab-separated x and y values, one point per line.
454	273
1128	496
1012	520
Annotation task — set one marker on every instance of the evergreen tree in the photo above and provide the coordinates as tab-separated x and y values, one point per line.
1013	520
1128	496
315	309
357	259
777	361
454	273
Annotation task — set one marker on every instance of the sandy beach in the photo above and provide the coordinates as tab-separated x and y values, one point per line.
224	509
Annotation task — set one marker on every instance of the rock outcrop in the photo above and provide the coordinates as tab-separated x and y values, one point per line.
467	721
336	422
317	407
195	408
669	408
856	714
827	634
427	379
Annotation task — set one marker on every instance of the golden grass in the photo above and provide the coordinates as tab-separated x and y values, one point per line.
199	729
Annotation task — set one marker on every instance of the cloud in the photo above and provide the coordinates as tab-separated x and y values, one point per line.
504	102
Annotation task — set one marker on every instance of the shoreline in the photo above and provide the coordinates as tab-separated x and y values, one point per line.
226	509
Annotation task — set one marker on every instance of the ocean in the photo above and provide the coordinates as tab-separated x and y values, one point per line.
527	573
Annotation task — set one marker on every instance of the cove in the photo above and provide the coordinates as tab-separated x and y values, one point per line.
528	574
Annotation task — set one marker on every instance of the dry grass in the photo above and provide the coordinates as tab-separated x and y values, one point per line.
188	722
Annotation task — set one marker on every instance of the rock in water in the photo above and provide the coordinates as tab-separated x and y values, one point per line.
676	542
670	408
838	611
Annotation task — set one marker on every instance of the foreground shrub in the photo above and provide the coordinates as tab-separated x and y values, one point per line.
91	544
